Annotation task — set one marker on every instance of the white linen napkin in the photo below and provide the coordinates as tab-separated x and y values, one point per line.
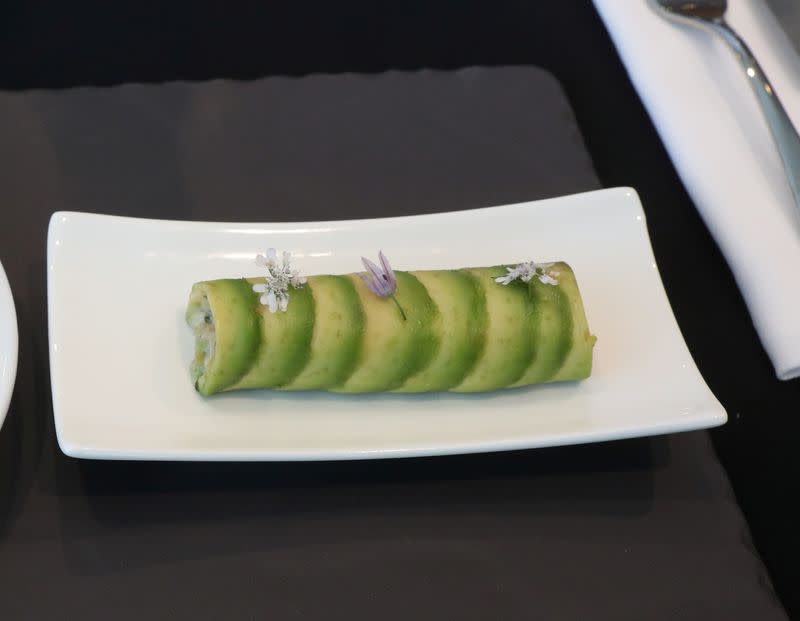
702	106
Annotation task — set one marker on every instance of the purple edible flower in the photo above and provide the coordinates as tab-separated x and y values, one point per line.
381	282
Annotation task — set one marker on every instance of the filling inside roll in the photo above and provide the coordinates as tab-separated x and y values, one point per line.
201	320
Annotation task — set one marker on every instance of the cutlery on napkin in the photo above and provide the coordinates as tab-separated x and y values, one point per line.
701	104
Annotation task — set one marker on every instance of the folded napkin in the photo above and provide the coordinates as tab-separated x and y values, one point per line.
708	118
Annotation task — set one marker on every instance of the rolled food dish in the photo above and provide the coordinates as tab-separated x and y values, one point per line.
462	332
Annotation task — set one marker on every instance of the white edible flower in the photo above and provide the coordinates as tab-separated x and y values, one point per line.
280	275
527	271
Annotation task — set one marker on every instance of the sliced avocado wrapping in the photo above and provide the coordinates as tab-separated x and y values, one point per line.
337	335
577	362
509	333
394	348
552	341
285	342
461	325
463	332
224	317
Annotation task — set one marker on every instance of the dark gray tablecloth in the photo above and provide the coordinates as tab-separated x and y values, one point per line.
788	14
641	529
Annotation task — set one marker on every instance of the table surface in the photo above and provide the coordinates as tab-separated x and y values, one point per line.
652	516
76	45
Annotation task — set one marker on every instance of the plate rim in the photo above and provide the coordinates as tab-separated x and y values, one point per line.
715	417
626	191
8	381
710	414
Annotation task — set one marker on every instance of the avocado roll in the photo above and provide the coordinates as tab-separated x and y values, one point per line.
462	330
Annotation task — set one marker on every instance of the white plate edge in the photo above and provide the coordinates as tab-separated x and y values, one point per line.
7	387
518	444
625	191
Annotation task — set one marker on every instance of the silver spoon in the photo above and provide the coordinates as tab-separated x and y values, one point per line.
710	14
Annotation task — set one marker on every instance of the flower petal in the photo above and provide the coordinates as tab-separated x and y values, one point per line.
371	268
272	301
381	284
272	255
547	279
261	260
370	283
260	288
283	302
388	271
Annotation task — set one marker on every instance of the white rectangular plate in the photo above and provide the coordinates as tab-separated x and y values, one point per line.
120	350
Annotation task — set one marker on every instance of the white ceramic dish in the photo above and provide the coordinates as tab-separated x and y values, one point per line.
8	345
120	350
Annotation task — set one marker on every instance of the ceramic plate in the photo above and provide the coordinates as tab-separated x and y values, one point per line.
120	350
8	345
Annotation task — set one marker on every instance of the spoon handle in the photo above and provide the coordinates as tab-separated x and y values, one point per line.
780	125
